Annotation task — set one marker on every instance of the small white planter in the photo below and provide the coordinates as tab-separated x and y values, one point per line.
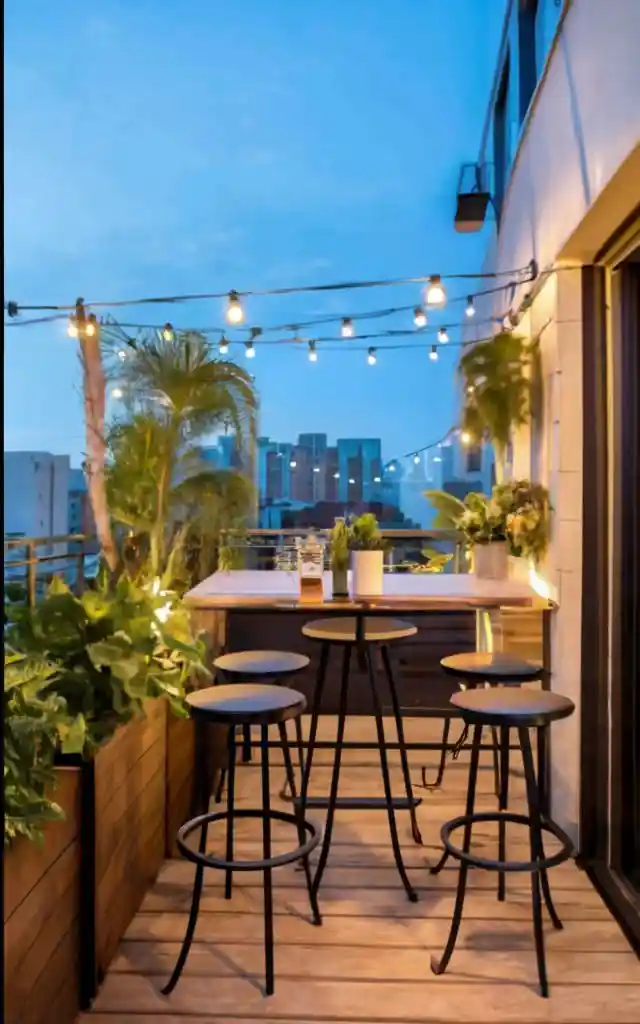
519	569
367	573
491	561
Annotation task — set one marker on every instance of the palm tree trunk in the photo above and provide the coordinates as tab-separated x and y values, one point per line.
500	461
94	386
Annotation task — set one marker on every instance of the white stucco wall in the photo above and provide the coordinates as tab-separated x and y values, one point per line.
583	125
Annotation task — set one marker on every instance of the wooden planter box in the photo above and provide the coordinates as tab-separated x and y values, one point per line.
41	916
130	802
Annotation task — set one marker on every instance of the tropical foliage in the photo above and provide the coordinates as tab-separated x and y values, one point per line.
339	537
36	722
364	534
517	512
171	505
110	650
497	386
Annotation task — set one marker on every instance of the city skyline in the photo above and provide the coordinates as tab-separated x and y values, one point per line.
245	192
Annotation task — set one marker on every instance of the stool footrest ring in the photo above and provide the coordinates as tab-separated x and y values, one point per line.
563	854
210	861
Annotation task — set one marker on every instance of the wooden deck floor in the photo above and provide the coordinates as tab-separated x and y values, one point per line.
369	962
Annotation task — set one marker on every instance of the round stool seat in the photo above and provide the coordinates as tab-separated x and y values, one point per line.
261	663
477	666
247	704
343	630
512	707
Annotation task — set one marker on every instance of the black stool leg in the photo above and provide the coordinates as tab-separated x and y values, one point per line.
446	728
286	753
503	802
231	795
200	766
440	966
495	743
246	744
313	727
404	760
386	780
285	792
542	736
533	800
266	853
335	777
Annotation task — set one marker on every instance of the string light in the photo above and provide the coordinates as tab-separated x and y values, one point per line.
377	479
223	346
117	393
293	464
419	317
235	312
122	355
168	333
465	437
443	335
72	328
371	357
351	480
249	349
347	330
471	309
417	460
435	292
313	355
391	467
470	389
336	476
91	326
433	354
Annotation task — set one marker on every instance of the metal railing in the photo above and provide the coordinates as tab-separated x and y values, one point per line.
263	548
34	568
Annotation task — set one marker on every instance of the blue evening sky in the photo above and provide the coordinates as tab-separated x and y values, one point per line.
159	147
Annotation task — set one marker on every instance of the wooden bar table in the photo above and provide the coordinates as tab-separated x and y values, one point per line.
266	592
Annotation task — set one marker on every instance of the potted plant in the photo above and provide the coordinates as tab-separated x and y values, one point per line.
527	509
367	547
497	385
339	557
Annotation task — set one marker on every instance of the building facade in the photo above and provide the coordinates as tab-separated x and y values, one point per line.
563	135
36	496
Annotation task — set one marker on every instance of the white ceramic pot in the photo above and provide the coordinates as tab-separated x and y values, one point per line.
367	573
518	569
491	561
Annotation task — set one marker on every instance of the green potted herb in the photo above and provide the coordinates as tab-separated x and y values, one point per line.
367	547
339	557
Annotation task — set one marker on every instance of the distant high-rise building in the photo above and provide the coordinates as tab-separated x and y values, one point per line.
80	512
36	495
360	468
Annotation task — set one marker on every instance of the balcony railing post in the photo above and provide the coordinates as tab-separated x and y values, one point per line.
31	575
80	578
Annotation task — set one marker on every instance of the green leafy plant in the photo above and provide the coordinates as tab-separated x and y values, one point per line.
364	534
36	724
112	648
339	540
528	511
164	495
434	562
497	387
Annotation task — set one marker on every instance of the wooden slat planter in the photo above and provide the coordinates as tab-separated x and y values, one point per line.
41	917
130	795
180	767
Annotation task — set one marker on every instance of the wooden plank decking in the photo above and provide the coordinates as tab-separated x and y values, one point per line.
369	962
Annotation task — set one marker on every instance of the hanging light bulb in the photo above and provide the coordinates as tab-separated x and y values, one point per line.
416	459
391	467
249	349
122	355
419	317
470	389
435	293
433	354
347	330
313	355
465	437
293	464
72	328
235	312
168	332
371	357
117	393
443	335
471	309
91	326
223	346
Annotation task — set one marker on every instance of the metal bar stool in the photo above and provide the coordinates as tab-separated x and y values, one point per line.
365	634
482	669
260	666
504	709
233	706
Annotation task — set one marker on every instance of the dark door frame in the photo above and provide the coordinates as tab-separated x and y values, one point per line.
602	804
